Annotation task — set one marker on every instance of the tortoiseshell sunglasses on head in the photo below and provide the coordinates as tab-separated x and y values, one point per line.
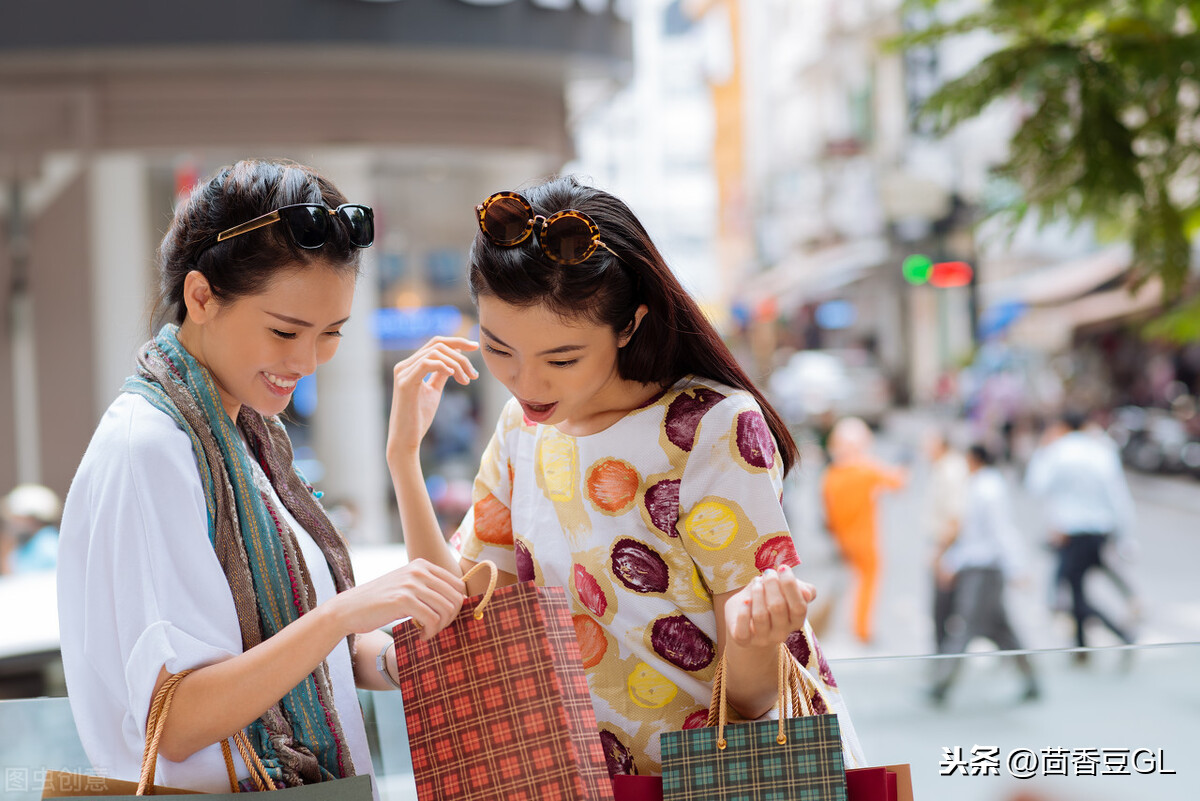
566	237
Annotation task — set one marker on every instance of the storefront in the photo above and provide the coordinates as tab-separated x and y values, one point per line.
419	107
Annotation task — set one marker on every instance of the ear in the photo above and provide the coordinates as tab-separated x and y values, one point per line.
198	298
627	334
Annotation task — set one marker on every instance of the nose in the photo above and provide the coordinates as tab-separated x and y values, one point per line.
303	358
525	381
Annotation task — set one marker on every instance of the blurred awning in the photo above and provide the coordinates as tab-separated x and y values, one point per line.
813	276
1062	282
124	74
1052	326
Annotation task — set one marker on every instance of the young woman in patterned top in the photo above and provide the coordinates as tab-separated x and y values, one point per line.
636	465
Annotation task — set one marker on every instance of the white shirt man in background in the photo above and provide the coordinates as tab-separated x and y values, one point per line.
1087	503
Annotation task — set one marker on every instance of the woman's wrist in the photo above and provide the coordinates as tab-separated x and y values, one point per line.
384	665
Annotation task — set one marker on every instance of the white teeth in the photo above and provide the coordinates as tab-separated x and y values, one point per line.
279	382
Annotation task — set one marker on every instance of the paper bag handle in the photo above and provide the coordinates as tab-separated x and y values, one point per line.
493	576
156	723
791	689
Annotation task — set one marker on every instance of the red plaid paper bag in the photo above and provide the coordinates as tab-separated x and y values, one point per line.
498	706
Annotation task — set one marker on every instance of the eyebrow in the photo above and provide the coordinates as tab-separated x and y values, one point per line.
302	323
547	352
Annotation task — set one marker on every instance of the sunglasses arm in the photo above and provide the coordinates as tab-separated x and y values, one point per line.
247	227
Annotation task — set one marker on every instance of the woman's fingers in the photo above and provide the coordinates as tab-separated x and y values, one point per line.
438	363
769	608
448	350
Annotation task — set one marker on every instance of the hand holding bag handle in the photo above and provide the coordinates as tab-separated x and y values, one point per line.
493	577
156	723
791	681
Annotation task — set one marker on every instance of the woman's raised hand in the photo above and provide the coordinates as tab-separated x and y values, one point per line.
769	608
429	594
417	384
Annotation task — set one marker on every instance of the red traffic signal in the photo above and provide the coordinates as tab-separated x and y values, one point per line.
950	274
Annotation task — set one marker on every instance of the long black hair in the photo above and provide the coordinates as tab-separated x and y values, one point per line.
674	338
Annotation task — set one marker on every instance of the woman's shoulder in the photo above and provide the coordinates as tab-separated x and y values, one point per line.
697	409
133	432
692	394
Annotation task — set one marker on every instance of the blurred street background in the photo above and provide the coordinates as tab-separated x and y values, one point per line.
959	216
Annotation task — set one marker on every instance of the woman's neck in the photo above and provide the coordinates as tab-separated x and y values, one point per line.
618	400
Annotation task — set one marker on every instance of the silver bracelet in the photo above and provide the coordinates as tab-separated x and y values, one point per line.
381	666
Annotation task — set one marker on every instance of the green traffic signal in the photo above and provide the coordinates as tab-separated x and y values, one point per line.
917	269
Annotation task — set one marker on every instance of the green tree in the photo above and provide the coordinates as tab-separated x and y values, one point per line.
1110	129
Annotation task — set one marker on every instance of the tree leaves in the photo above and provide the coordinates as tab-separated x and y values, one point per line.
1108	98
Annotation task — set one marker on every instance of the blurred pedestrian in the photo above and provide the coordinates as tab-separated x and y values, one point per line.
945	497
850	489
974	564
1079	477
29	529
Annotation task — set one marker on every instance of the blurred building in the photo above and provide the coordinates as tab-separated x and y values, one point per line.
845	182
651	140
420	108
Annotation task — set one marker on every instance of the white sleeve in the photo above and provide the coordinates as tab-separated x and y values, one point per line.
140	587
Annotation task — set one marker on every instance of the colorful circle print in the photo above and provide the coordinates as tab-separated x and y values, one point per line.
612	485
712	524
650	689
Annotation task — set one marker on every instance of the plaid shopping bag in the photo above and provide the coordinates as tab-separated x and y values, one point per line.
769	760
497	704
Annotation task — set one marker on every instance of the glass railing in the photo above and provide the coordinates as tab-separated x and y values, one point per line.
1114	723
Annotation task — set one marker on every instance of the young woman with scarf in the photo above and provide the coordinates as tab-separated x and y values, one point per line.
189	539
636	465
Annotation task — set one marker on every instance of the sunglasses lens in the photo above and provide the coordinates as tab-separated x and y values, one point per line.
506	220
568	239
360	224
308	225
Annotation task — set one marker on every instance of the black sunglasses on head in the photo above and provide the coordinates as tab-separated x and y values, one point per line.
308	224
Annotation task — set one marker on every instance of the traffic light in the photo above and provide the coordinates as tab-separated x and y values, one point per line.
916	269
919	269
949	274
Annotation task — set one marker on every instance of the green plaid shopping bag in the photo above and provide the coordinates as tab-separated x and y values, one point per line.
792	758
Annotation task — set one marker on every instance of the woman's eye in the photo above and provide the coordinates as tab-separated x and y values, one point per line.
490	349
283	334
336	334
567	363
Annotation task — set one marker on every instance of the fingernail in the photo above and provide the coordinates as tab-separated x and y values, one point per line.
769	573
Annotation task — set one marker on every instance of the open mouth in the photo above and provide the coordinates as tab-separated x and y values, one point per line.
538	412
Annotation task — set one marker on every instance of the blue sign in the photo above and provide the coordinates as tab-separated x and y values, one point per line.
996	319
404	329
834	315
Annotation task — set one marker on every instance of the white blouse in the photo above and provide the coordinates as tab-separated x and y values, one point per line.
140	588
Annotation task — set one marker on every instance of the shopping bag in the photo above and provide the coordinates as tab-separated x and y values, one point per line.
637	788
883	783
870	784
62	784
497	704
791	758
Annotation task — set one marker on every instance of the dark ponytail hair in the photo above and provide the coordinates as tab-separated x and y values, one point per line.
674	339
243	265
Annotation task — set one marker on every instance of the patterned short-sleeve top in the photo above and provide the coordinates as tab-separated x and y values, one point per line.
642	523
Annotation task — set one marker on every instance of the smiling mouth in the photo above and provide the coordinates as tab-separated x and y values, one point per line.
282	383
